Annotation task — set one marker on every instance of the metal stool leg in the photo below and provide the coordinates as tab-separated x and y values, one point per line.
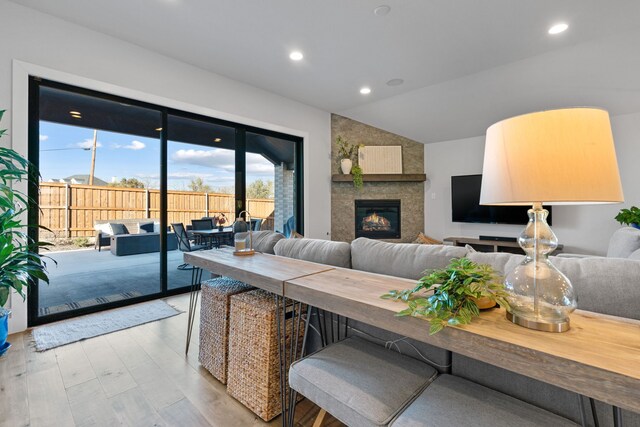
196	276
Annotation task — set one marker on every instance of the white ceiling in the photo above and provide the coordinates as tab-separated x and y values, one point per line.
466	63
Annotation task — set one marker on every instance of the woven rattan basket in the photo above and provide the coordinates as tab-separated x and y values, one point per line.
214	323
253	375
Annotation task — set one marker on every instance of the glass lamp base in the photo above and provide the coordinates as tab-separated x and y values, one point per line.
539	325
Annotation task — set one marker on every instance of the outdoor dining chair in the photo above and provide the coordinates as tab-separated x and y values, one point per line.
184	244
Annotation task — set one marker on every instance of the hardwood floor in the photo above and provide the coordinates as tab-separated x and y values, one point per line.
135	377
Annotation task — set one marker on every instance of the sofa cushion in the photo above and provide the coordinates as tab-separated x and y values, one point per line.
323	251
360	383
624	242
453	401
145	227
635	255
263	241
118	229
604	285
401	259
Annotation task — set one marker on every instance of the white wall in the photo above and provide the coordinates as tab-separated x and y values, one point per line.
582	229
35	43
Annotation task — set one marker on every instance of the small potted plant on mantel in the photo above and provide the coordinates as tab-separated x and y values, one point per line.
453	295
20	263
347	151
629	216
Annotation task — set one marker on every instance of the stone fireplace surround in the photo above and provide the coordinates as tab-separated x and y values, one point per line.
343	194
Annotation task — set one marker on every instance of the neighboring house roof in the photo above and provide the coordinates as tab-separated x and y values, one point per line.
79	179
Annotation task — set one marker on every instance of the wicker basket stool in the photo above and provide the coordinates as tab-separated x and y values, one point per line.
253	375
214	323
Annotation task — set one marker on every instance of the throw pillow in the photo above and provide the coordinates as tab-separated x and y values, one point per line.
426	240
470	249
117	228
145	227
103	228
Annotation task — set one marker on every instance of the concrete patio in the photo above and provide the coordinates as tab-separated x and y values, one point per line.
87	277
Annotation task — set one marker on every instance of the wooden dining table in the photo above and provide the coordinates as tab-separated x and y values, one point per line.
599	357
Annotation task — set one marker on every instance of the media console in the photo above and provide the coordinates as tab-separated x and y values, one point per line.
493	245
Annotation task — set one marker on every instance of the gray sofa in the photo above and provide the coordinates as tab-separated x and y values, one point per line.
604	285
133	244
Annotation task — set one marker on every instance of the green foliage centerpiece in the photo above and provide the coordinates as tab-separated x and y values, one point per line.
449	296
629	216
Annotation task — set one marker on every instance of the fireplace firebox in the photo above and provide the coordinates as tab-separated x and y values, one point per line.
377	219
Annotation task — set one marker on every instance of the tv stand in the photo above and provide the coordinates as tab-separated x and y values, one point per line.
489	245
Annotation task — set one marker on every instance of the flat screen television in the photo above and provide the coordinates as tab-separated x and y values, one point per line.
465	205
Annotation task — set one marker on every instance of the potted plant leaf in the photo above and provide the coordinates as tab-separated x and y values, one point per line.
20	263
452	295
629	216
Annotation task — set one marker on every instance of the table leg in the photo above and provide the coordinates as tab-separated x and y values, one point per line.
289	352
196	278
617	417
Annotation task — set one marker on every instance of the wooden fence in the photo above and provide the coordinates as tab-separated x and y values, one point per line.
70	210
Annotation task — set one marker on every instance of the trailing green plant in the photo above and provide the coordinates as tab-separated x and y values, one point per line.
448	296
356	171
629	216
20	262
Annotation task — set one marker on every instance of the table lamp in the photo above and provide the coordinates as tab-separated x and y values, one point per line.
557	157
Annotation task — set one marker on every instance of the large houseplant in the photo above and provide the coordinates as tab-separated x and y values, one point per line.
20	262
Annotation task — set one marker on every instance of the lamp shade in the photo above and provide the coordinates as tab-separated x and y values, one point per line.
564	156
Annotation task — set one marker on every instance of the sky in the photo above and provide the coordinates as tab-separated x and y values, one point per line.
130	156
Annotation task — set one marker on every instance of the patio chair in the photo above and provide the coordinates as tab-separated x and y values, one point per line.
289	227
184	244
202	224
256	224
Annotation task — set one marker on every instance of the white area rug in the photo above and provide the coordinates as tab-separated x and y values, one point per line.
93	325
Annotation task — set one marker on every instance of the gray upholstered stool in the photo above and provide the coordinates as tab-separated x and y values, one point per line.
454	401
214	323
360	383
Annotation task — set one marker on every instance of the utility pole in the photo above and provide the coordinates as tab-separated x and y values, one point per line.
93	156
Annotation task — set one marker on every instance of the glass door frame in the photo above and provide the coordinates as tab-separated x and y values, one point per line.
33	153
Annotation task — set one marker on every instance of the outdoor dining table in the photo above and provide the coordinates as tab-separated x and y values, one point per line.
214	237
598	358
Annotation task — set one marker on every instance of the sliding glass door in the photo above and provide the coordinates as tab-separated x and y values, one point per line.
201	184
99	164
120	179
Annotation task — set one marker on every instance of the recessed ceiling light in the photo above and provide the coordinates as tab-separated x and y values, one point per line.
382	10
76	116
558	28
217	140
395	82
365	90
158	129
74	112
296	55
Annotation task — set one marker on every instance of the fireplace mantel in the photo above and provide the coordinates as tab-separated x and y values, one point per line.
375	177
